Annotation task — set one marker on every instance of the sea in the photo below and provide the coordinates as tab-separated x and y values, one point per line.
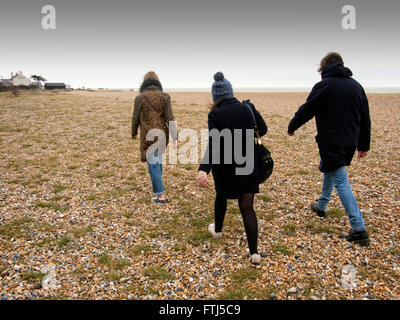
271	89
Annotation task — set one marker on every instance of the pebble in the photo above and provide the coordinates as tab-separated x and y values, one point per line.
37	285
292	290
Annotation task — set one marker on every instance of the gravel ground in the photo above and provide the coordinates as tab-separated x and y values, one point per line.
77	221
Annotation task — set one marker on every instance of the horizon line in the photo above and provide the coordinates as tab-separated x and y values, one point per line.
369	89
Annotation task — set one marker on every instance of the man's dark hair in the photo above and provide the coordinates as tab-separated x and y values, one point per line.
331	57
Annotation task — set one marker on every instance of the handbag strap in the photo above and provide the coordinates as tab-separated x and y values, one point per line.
254	120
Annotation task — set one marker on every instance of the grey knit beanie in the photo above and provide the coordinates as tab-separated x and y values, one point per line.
221	88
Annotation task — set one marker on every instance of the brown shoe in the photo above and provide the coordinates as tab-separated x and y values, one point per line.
314	207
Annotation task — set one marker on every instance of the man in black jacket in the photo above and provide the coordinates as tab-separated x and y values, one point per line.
341	111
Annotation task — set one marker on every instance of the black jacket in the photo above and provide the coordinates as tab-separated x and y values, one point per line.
341	111
231	115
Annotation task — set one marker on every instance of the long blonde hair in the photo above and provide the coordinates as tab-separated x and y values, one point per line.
151	75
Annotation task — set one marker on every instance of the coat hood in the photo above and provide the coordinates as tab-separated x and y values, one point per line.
149	83
336	69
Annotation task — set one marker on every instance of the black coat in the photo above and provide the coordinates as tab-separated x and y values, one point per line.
231	115
341	111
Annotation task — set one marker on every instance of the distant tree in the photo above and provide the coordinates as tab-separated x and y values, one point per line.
38	78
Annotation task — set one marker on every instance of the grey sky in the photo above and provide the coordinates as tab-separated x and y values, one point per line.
255	43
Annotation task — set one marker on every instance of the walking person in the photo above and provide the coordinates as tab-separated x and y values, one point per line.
152	110
228	114
341	111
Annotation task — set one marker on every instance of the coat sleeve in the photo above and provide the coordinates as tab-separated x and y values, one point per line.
136	116
364	140
261	125
173	130
206	162
307	111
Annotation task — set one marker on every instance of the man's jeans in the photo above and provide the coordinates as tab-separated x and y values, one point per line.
338	178
155	169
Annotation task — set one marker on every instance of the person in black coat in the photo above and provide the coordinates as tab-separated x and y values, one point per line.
341	111
235	177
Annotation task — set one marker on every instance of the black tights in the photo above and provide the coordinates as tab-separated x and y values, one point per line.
249	217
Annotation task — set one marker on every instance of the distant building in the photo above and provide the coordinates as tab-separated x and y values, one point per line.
20	80
17	79
6	83
54	85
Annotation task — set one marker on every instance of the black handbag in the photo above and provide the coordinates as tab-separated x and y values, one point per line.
262	153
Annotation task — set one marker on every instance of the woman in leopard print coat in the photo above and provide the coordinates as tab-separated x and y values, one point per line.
152	110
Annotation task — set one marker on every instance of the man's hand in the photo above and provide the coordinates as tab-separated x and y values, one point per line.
291	134
203	180
134	137
362	154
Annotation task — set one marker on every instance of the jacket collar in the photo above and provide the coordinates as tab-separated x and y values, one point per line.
336	69
229	101
151	84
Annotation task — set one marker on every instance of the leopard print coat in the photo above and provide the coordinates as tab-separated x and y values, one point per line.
152	110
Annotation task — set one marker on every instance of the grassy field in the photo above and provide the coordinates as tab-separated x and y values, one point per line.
74	195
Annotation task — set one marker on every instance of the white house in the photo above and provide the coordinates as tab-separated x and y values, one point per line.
20	80
5	82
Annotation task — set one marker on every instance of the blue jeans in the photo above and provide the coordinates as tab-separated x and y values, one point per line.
155	169
338	178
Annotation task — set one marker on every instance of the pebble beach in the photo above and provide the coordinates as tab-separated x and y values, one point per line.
77	220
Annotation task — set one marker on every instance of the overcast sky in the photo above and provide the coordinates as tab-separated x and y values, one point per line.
256	43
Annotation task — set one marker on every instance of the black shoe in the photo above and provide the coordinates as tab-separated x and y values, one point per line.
358	237
314	207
